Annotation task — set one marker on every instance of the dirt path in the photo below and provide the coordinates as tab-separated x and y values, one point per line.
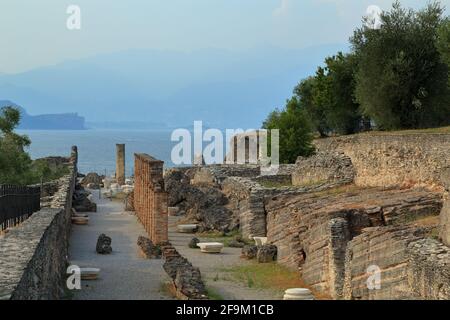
213	268
124	274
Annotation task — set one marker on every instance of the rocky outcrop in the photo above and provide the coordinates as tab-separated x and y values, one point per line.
203	202
81	201
186	278
93	180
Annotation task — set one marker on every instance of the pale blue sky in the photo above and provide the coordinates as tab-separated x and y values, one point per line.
33	33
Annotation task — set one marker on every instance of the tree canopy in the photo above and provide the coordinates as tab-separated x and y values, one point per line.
295	131
396	76
401	81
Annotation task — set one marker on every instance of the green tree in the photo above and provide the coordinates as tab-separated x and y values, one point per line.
401	80
295	131
14	161
328	97
443	43
306	93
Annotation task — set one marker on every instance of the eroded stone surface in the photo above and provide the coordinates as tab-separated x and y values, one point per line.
149	249
103	244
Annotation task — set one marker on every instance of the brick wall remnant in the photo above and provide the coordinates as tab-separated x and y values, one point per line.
150	197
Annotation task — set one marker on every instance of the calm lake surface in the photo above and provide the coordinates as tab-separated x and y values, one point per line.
97	148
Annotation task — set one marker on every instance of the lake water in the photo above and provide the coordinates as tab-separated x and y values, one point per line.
97	148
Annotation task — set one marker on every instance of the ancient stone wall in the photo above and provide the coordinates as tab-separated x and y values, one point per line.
393	159
444	232
407	264
312	230
33	256
150	197
323	167
246	201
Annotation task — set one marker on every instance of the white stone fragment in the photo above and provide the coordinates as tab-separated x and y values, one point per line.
210	247
298	294
187	228
260	241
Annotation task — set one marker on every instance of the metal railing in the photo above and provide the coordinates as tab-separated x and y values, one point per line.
17	203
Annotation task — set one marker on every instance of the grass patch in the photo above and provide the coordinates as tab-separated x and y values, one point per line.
439	130
266	276
434	234
217	236
213	294
419	221
269	276
350	188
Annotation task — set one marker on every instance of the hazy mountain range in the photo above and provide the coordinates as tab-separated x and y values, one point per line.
222	88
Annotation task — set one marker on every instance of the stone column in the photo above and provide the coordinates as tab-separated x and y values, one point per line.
120	164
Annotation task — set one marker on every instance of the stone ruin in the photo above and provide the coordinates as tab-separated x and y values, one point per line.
186	279
150	197
361	202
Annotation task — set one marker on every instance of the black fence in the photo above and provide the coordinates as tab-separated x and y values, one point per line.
17	204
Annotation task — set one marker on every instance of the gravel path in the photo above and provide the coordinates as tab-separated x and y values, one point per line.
124	274
212	267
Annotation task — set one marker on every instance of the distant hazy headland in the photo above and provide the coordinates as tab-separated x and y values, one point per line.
62	121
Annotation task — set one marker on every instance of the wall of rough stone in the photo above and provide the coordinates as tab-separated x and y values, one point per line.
312	230
323	167
444	222
246	201
411	266
33	255
393	159
150	197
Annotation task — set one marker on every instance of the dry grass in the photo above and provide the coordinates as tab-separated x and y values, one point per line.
426	222
430	130
270	276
